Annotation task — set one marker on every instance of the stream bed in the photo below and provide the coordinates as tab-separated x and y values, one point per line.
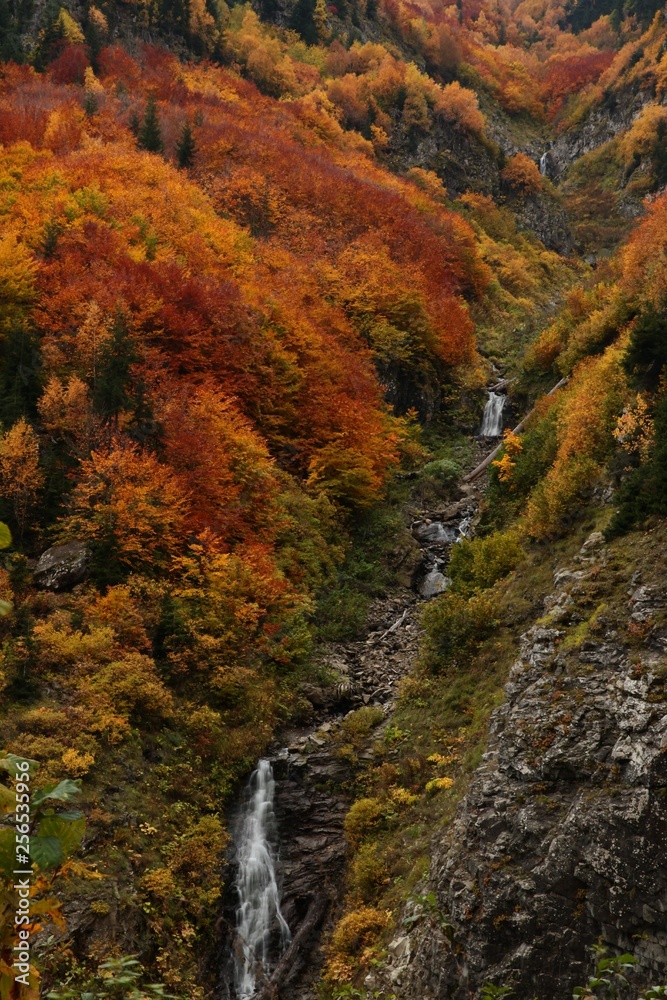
289	851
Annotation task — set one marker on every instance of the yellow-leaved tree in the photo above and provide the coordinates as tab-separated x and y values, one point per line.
17	281
20	476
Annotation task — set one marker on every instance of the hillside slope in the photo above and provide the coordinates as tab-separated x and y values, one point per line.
256	270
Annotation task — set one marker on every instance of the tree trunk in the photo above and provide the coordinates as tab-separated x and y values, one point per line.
313	918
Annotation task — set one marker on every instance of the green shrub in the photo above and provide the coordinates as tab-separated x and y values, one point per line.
368	874
365	816
357	726
445	470
477	564
455	627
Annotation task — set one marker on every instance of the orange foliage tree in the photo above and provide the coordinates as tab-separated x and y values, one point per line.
130	507
20	475
522	174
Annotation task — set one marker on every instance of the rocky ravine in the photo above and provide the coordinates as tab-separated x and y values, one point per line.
561	839
313	776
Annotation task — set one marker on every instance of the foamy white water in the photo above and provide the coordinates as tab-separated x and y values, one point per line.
258	915
492	421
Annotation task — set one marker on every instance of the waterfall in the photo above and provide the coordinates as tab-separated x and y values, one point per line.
258	915
492	421
544	163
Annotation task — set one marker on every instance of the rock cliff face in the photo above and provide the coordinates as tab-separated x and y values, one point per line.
561	839
543	215
603	123
463	161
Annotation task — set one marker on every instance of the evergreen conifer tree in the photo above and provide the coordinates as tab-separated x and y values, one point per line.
113	380
187	147
302	21
150	134
90	103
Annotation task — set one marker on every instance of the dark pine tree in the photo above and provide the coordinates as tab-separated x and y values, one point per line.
302	21
187	147
11	47
90	103
644	491
20	379
646	355
113	378
150	134
50	35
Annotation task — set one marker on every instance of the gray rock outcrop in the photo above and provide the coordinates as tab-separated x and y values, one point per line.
62	566
561	839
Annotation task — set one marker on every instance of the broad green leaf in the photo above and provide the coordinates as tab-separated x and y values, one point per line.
47	852
63	791
67	832
8	762
5	536
6	608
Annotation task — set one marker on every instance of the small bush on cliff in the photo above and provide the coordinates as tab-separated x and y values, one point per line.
368	874
358	930
364	817
357	726
478	563
522	175
455	627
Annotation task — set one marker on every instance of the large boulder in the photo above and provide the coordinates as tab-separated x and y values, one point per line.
62	566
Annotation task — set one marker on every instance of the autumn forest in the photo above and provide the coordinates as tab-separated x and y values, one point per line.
260	265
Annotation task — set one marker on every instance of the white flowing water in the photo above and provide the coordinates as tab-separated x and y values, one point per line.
544	163
492	421
258	917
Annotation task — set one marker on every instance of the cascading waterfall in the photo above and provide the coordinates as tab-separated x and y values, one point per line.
492	421
544	163
258	916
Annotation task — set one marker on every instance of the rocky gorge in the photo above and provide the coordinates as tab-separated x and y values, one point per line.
315	769
559	840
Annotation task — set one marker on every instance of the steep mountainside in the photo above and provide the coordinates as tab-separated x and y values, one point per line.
260	267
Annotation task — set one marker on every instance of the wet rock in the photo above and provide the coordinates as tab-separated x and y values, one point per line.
435	534
317	696
62	566
434	583
406	560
